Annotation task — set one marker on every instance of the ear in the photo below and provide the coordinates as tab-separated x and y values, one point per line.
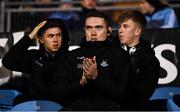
109	31
138	31
41	40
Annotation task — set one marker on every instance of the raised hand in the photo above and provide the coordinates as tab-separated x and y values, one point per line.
32	35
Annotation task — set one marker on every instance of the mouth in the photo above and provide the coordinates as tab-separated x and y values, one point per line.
56	46
93	39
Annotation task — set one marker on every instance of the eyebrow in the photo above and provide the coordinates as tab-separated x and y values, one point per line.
52	34
97	26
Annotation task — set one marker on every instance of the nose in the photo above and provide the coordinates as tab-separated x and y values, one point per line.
93	31
120	30
56	38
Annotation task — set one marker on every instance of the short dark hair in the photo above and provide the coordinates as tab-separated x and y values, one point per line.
100	15
135	15
54	22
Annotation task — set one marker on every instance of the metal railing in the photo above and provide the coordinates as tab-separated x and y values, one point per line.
7	9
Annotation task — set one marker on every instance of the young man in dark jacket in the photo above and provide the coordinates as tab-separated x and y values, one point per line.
99	73
145	65
41	63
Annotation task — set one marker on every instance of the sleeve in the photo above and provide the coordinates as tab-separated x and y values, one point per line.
113	83
65	85
146	80
169	18
18	57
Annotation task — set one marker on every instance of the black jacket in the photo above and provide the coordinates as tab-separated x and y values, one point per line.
41	66
144	80
108	89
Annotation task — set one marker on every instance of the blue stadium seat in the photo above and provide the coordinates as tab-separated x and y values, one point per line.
171	106
167	93
6	99
37	105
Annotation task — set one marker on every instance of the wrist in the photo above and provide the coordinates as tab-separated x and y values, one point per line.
31	36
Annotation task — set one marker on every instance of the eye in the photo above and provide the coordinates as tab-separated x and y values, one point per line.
88	27
125	26
59	35
99	27
119	25
51	35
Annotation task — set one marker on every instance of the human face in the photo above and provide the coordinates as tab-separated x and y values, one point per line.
146	7
89	4
129	33
95	29
52	39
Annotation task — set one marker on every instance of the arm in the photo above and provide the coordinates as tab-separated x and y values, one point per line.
18	57
65	85
169	19
146	80
112	81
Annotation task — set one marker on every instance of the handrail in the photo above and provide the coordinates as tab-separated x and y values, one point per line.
70	9
8	8
59	2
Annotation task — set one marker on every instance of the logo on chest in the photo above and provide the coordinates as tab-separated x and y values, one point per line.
104	63
39	62
80	60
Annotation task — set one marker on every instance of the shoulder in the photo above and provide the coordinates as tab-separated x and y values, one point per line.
166	10
118	51
75	52
117	54
148	55
34	51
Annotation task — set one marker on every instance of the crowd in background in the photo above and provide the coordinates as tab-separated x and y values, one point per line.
162	13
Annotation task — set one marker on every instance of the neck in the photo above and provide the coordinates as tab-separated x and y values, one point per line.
151	10
136	42
49	52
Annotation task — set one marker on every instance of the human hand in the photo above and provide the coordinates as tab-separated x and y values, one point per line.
83	79
90	68
32	35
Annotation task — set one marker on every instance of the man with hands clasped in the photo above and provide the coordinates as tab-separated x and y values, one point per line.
100	70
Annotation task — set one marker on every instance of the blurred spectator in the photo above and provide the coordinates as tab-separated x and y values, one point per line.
69	17
43	1
87	6
158	15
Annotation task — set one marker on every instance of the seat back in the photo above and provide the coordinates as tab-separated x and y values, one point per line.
37	105
6	99
171	106
167	93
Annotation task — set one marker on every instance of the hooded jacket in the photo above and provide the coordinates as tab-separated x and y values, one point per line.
39	64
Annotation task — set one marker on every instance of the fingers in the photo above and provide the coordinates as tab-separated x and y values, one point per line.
87	72
87	63
90	67
42	24
36	29
83	80
94	59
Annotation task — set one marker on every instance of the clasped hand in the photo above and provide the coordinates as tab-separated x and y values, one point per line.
89	70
